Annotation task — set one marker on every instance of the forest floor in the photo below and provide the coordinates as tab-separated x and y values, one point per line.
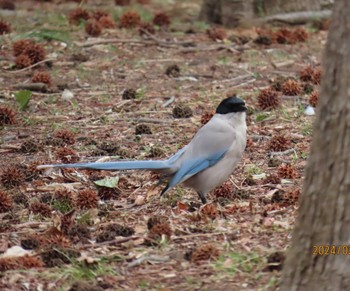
60	231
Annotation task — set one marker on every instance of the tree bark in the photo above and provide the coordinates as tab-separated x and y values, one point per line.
324	214
232	13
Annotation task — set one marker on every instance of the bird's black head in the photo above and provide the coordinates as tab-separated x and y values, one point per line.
230	105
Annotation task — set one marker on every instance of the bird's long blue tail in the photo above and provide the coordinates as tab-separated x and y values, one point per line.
122	165
112	166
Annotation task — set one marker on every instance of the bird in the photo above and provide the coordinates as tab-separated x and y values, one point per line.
204	163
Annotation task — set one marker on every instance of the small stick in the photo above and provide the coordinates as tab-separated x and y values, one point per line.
169	101
112	242
41	87
32	66
163	42
272	154
198	235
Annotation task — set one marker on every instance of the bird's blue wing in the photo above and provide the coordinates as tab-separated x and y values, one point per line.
192	167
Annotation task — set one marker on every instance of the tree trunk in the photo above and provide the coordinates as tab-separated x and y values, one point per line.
232	13
324	214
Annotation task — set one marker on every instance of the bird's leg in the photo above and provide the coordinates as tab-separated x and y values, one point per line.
202	197
160	181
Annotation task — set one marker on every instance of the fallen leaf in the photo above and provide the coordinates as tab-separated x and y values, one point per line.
108	182
140	200
15	251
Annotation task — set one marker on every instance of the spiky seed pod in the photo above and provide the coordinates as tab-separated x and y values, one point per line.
210	210
313	99
97	14
4	27
23	61
46	198
173	71
67	155
284	36
41	77
156	152
124	153
64	195
87	199
287	172
30	146
31	172
106	193
107	22
293	196
306	74
156	219
97	153
30	243
78	15
5	201
21	45
272	179
7	5
109	147
279	143
80	231
317	76
291	88
216	33
146	27
67	136
120	230
224	191
41	208
161	19
7	115
66	221
55	257
308	88
130	19
93	28
143	129
20	198
122	2
206	117
105	236
182	111
78	58
205	252
268	99
300	34
160	229
24	262
276	84
35	52
263	39
129	94
53	141
11	177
